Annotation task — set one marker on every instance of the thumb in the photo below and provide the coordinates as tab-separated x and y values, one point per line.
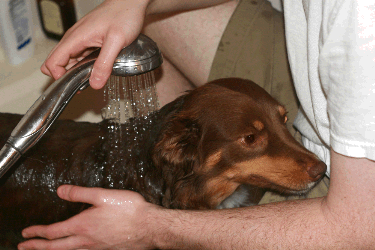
81	194
103	66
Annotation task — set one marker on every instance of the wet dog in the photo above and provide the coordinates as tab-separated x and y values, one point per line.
219	146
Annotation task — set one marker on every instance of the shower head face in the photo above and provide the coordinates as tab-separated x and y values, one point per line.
139	57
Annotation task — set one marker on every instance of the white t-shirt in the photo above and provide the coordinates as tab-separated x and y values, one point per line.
331	49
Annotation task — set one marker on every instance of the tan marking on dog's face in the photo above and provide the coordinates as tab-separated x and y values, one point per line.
282	112
281	173
258	125
218	189
212	160
265	171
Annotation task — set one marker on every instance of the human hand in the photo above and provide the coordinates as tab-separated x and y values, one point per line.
112	25
117	220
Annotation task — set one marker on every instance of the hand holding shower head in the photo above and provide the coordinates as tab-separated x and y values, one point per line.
139	57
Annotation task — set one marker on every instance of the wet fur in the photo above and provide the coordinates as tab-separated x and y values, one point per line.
219	146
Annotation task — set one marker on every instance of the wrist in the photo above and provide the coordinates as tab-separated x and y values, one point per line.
159	224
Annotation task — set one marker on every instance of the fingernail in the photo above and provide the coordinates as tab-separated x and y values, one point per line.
95	82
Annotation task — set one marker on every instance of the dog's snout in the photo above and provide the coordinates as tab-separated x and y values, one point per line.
316	171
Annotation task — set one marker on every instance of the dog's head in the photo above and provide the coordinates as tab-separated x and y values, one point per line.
228	133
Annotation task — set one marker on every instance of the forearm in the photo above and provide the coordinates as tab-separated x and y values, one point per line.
286	225
167	6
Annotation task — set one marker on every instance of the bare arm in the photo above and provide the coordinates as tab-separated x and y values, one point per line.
112	25
163	6
345	219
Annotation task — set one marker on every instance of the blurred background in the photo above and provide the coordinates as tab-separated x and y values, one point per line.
22	84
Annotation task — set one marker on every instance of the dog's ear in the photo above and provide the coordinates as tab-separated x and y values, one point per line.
176	153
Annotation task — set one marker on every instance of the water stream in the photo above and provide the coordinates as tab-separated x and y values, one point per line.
128	97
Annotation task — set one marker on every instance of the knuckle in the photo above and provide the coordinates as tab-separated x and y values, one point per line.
73	194
115	31
100	194
69	31
52	69
45	233
44	70
101	68
49	64
118	35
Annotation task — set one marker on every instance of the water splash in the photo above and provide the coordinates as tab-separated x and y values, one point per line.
132	97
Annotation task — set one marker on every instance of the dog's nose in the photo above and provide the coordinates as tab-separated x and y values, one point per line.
317	170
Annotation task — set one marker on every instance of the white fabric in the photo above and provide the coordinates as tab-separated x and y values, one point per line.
331	48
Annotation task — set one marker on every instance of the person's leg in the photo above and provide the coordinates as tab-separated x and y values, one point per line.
170	83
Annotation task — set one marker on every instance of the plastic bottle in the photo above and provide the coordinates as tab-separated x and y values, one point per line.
57	16
16	33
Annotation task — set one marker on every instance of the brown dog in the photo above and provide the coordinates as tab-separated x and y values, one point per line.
219	146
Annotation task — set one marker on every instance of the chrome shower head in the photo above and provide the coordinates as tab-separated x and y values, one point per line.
139	57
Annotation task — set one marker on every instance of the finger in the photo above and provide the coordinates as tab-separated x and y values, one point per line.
79	58
80	194
103	66
54	66
62	54
72	242
43	68
53	231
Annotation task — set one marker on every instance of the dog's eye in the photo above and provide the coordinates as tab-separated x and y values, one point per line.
250	139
